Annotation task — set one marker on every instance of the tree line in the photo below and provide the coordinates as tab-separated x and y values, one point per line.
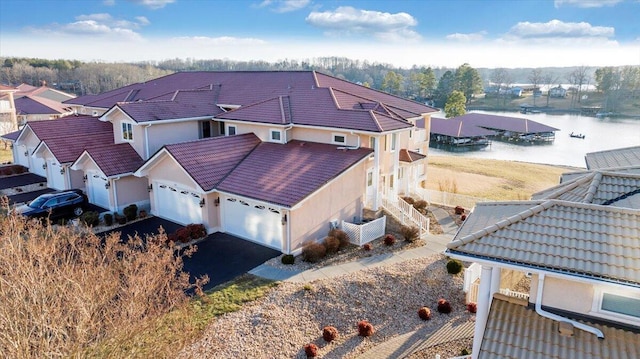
433	85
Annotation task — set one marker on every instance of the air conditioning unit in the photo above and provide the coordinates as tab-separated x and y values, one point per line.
333	224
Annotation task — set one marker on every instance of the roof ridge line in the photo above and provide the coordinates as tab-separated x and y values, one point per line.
593	187
375	120
501	224
215	186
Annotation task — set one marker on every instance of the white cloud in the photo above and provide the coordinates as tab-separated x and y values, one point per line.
476	36
285	5
559	29
586	3
153	4
101	24
382	25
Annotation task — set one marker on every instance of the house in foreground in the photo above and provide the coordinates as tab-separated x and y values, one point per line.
273	157
579	244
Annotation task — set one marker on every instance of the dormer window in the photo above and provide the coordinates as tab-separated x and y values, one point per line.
339	139
127	131
231	130
275	136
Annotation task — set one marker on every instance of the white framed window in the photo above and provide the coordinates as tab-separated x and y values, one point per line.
127	131
339	139
400	173
391	181
275	135
369	179
231	130
623	305
372	143
394	141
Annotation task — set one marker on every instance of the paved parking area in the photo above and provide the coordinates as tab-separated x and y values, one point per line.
27	196
220	256
20	180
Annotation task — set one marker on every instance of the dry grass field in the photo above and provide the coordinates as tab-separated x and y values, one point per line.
491	179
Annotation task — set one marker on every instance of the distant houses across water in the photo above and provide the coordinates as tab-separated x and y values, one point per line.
477	130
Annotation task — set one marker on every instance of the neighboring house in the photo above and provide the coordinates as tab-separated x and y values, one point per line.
583	259
273	157
40	103
620	157
558	92
8	120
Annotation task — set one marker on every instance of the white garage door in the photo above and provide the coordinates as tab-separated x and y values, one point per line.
22	158
36	164
253	221
55	179
177	204
98	193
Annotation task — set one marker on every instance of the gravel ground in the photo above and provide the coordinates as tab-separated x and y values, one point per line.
292	315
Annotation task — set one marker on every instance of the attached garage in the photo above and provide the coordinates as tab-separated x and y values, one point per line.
21	157
97	189
36	164
177	204
254	221
55	179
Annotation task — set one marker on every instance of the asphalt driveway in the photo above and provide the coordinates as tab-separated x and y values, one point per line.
27	196
20	180
220	256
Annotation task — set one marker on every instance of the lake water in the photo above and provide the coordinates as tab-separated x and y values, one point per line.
600	134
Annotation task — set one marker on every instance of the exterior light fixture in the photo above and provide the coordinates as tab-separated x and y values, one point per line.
107	185
216	202
26	153
149	187
284	219
84	178
44	166
202	202
61	170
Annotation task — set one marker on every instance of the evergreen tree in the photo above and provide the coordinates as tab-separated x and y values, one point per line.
455	105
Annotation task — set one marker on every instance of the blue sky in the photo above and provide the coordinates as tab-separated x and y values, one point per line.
518	33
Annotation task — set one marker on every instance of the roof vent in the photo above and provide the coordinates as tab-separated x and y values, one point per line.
565	329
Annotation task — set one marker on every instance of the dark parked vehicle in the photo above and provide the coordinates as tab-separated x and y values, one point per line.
55	205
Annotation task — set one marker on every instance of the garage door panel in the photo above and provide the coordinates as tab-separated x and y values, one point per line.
178	204
98	193
253	221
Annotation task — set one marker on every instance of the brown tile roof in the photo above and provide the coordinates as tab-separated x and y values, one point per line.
598	187
67	149
11	136
516	331
621	157
182	104
286	174
209	161
7	88
456	127
34	105
588	240
69	126
513	124
410	156
115	159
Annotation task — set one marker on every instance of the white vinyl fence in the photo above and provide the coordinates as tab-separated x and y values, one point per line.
406	214
364	233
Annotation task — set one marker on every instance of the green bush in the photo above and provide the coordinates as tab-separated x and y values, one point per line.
410	233
90	218
288	259
454	266
131	212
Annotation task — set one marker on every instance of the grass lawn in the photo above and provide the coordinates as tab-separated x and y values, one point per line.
164	337
5	154
491	179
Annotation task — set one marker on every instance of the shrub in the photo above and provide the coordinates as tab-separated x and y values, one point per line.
463	217
196	231
311	350
465	352
472	307
288	259
341	235
172	237
410	233
424	313
409	200
459	210
332	244
130	211
120	219
329	334
389	239
312	252
367	247
183	235
307	287
108	219
365	329
90	218
444	306
420	204
454	266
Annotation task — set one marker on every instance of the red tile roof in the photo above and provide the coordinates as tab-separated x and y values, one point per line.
115	159
410	156
67	149
456	127
310	95
12	136
34	105
210	160
286	174
7	88
70	126
182	104
514	124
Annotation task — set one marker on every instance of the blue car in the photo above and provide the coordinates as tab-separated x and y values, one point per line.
55	205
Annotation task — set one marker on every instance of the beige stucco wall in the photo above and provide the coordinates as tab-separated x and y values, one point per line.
88	166
131	189
561	294
169	172
211	213
168	133
340	200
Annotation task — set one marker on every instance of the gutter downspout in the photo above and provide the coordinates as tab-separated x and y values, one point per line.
286	139
146	141
358	137
558	318
115	193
